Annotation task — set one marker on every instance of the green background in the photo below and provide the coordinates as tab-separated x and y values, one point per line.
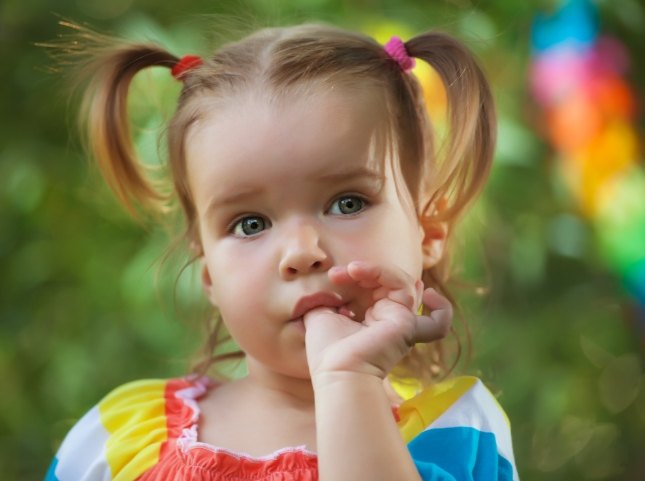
86	302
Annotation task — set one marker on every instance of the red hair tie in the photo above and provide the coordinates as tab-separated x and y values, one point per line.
184	64
395	48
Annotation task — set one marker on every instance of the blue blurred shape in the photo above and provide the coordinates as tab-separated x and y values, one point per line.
575	24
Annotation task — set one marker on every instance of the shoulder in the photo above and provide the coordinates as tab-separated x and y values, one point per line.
458	426
124	433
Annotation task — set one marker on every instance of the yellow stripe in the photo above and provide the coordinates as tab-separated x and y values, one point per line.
406	388
422	410
135	417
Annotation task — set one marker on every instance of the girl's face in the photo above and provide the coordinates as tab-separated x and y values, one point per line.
284	190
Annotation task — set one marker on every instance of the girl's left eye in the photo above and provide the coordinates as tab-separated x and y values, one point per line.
348	204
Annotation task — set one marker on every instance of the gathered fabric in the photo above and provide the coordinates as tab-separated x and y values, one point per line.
148	431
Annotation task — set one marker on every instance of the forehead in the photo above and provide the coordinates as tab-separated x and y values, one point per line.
254	138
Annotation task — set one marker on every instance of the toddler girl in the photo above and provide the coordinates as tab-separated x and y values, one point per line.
319	210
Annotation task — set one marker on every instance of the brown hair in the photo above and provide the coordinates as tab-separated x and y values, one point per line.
278	59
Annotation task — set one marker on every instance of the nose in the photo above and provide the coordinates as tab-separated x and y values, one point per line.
302	253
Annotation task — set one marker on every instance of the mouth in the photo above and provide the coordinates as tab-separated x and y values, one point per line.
318	299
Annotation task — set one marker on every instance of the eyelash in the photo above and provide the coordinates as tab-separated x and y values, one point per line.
232	227
364	203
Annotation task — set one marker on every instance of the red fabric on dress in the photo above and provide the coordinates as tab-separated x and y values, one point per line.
182	457
203	464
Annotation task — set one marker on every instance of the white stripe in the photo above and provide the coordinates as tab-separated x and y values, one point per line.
81	457
477	408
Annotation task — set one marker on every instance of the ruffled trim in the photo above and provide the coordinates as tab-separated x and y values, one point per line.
185	457
189	395
188	439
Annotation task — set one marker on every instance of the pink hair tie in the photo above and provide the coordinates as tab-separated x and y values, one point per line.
185	63
395	48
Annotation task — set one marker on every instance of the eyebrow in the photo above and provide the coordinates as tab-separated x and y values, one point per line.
232	198
245	193
351	175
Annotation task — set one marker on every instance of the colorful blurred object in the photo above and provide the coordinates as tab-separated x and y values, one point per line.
578	80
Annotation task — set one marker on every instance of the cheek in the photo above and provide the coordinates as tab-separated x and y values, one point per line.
242	298
234	258
240	275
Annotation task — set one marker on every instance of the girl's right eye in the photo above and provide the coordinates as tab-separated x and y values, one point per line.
249	226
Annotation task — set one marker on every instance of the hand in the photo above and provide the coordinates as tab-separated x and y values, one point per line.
335	342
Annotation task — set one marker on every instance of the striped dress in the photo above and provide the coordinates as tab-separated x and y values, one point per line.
147	431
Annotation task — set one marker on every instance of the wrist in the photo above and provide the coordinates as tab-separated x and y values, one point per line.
345	379
336	367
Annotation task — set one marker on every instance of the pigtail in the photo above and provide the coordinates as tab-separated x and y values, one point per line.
106	67
465	160
453	178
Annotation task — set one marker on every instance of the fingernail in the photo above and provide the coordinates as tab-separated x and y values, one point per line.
359	263
346	312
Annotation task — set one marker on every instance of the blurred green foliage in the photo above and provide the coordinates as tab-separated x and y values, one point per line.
86	303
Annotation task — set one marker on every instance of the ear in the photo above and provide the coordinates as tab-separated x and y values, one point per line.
434	241
207	283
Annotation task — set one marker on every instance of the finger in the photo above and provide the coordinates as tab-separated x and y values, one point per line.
363	274
433	300
394	284
433	327
339	275
409	296
437	324
371	276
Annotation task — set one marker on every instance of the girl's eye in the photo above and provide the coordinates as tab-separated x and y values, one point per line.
349	204
249	226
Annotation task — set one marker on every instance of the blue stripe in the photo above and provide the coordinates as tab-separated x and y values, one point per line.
459	454
51	475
